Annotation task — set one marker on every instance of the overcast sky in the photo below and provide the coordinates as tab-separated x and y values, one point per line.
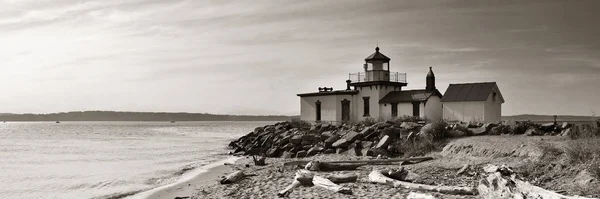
253	57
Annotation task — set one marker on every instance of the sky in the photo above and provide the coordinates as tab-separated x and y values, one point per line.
253	57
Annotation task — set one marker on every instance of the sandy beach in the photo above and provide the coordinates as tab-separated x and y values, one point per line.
275	177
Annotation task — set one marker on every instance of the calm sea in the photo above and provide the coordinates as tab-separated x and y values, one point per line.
106	159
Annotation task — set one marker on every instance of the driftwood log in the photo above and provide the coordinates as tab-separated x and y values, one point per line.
343	178
369	162
234	177
326	166
327	184
377	177
501	183
302	178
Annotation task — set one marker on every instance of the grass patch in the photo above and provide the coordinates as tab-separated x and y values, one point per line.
300	124
433	137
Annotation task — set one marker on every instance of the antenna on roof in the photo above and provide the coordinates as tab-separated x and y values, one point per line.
377	43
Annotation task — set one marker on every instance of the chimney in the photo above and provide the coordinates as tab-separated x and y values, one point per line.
348	85
430	81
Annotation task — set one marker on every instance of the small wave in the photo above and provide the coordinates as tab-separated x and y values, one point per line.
119	195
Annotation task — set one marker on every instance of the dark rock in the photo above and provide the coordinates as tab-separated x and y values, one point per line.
367	131
384	125
329	142
314	151
306	147
366	144
296	139
384	142
325	135
274	152
533	131
258	130
372	135
329	151
548	127
457	133
499	130
310	137
288	147
351	136
301	154
306	143
341	143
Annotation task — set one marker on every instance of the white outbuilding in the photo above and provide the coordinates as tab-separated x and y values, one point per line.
473	102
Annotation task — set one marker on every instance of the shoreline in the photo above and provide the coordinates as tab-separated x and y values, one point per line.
187	184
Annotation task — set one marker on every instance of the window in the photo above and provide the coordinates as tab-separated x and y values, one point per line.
494	96
318	106
394	109
366	106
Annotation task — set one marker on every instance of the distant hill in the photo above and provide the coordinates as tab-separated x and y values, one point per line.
137	116
548	118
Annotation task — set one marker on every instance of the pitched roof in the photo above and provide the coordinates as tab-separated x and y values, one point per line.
468	92
377	56
408	96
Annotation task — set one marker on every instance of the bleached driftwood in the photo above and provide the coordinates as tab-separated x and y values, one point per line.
234	177
369	162
326	166
327	184
342	178
303	177
501	183
377	177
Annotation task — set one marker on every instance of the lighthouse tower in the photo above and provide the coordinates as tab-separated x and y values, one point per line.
373	84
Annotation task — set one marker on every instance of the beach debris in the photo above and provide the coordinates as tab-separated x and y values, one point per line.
501	183
415	195
259	161
302	178
234	177
377	176
401	174
328	184
325	166
369	162
343	178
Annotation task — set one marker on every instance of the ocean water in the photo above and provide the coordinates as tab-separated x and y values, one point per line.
106	159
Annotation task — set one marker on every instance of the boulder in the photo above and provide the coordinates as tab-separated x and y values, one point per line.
384	142
283	141
327	134
301	154
384	125
341	143
273	152
366	131
329	142
457	133
351	136
314	151
296	139
584	178
547	127
478	131
288	147
258	130
372	135
310	137
533	131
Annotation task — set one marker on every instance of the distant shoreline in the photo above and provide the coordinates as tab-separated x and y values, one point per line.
137	116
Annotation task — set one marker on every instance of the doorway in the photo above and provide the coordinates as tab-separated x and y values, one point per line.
416	109
345	110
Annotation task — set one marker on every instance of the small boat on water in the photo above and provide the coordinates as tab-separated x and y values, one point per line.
57	122
172	121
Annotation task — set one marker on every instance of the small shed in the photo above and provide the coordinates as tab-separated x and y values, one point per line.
473	102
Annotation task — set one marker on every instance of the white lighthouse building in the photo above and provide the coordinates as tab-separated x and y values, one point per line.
374	93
